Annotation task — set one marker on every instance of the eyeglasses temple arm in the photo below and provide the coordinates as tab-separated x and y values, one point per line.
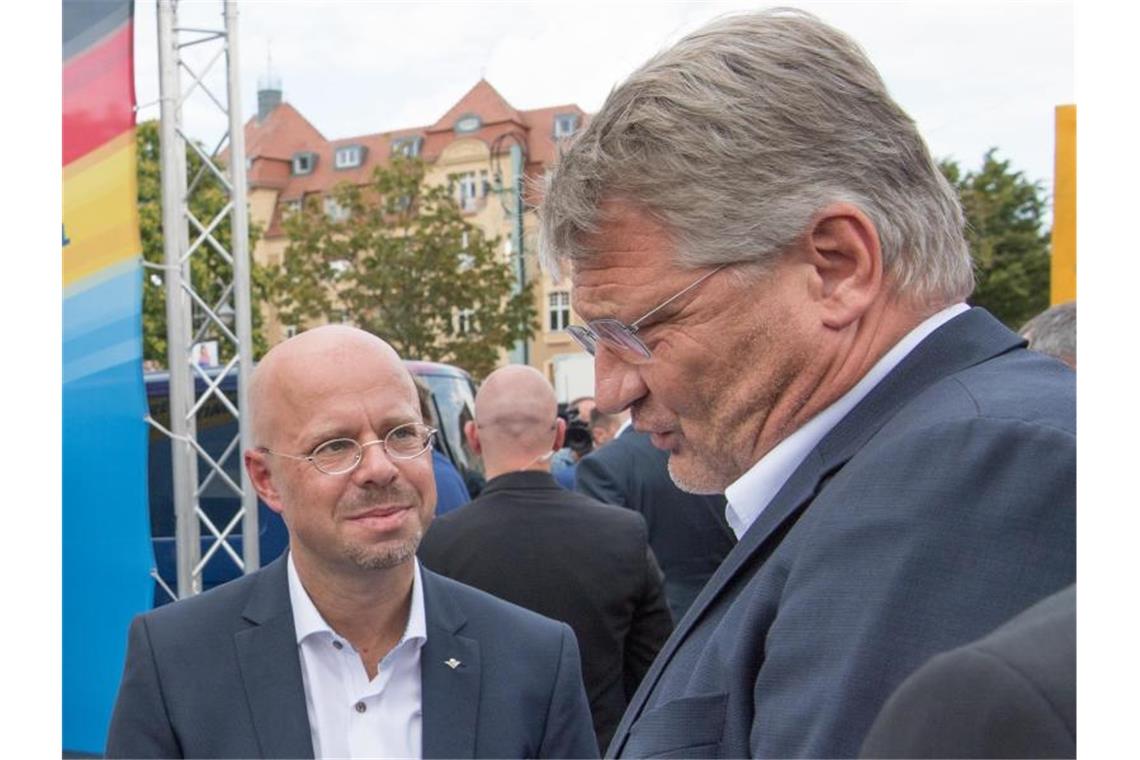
633	325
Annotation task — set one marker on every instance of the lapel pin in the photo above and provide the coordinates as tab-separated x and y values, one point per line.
452	663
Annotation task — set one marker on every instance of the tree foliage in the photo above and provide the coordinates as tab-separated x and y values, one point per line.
396	258
209	272
1004	219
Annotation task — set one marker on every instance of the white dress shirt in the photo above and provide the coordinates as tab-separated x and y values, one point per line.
349	715
749	494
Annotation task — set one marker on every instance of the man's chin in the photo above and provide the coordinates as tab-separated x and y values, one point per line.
688	475
384	556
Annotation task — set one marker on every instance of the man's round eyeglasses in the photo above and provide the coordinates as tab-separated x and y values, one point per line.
341	455
622	338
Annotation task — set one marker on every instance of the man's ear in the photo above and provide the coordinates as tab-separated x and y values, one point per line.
847	260
471	433
257	465
559	433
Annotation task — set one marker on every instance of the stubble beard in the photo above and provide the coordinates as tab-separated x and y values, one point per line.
391	553
385	556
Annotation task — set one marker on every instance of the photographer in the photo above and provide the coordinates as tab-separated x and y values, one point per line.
579	440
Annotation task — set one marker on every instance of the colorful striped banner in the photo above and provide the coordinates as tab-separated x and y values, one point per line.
107	550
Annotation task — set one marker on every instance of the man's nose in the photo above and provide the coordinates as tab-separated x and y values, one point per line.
617	383
376	466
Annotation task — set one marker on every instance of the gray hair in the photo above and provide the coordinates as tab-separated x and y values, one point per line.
1054	332
734	138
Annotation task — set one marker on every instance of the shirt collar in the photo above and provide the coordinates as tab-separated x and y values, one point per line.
749	494
307	619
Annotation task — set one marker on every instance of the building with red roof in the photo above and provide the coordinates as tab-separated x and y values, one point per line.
289	162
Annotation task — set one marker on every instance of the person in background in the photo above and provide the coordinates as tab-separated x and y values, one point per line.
344	646
578	440
1054	332
1013	693
772	273
604	427
687	531
559	553
451	492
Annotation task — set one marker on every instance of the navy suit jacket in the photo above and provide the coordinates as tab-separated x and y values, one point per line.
688	532
939	507
1011	694
219	675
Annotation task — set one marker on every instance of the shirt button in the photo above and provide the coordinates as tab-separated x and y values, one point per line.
338	645
361	707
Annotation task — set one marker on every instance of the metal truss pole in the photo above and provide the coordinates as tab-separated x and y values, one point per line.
197	309
242	307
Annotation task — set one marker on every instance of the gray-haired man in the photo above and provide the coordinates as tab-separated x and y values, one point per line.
773	274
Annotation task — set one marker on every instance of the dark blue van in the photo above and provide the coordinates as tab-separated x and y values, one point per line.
453	396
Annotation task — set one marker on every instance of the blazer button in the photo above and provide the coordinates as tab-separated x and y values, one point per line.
361	707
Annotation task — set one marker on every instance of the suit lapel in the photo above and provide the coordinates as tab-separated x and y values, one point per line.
964	341
271	668
450	673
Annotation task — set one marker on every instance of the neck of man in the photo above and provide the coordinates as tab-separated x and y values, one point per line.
494	466
847	357
368	607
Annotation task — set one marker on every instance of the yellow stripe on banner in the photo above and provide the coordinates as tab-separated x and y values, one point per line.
1063	270
100	209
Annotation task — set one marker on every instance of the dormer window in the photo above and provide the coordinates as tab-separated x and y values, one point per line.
407	146
304	162
565	124
349	156
469	123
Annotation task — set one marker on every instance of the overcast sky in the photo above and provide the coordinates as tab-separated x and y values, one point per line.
973	75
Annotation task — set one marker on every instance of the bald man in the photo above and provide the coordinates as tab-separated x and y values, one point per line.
345	647
562	554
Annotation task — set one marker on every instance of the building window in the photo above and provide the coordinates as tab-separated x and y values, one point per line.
291	207
559	310
464	321
466	191
304	163
468	123
333	209
349	157
290	330
565	124
407	146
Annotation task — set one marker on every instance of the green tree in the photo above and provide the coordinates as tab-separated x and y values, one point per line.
1004	228
397	258
210	273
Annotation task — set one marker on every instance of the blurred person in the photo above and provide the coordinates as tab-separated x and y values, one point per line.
554	551
345	646
578	441
1011	694
1054	332
450	490
687	532
772	275
604	427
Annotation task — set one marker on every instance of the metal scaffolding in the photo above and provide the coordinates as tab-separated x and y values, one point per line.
198	310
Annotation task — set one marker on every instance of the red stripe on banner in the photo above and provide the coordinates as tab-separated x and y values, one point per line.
98	94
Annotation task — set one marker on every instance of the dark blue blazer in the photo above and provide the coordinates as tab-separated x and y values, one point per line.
688	532
219	675
939	507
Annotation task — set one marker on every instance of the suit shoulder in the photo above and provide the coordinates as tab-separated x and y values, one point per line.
203	613
486	612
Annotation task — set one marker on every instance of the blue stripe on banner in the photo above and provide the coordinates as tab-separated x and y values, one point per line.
107	552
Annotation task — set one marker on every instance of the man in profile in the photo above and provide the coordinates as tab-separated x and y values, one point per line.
529	541
772	275
344	646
